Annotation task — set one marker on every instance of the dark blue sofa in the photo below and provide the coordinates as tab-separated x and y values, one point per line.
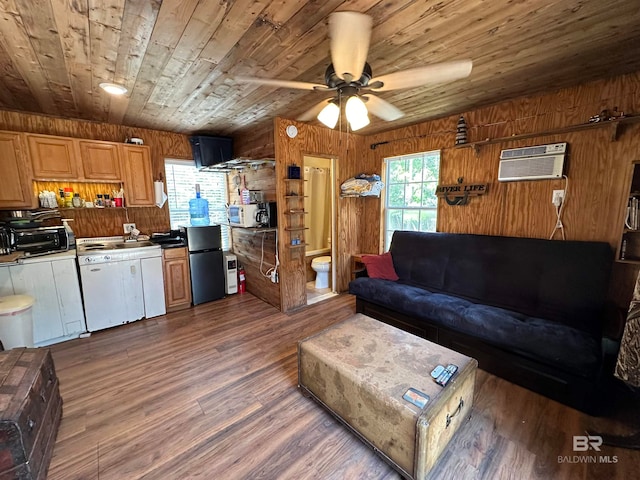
529	310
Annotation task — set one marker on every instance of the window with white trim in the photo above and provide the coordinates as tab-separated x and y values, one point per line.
410	198
182	176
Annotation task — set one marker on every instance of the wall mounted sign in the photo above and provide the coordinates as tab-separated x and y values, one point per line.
459	193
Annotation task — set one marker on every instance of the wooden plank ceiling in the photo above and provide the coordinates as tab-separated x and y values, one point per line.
178	57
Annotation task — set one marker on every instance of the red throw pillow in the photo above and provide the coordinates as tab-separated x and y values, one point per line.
380	266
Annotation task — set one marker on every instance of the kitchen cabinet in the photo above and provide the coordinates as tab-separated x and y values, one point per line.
15	181
100	160
177	278
137	176
123	303
53	157
57	313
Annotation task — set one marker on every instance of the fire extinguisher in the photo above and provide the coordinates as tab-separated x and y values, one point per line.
242	280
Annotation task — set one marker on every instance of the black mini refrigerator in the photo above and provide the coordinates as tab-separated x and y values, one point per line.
206	263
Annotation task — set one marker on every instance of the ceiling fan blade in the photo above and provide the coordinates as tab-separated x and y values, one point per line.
383	109
429	75
349	33
282	83
313	112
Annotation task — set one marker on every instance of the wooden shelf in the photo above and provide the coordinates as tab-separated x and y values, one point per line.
613	124
294	180
295	213
301	245
295	229
296	196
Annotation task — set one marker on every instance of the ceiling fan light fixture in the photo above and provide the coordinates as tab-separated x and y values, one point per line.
329	115
113	88
357	113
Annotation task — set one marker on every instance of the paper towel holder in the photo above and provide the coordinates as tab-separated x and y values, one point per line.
159	195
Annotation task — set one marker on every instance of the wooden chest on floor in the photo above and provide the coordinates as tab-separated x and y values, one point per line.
360	369
30	413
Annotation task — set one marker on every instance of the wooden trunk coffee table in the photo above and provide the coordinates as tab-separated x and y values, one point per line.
360	369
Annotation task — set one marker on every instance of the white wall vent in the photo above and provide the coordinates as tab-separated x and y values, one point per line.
531	168
539	150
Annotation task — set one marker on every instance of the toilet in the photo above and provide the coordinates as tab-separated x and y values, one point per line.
322	266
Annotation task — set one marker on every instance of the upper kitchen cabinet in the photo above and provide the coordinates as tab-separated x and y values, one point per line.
100	160
53	158
137	176
15	181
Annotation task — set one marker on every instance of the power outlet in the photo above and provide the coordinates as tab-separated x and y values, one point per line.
127	227
558	197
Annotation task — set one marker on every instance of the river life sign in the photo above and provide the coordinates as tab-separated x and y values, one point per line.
459	193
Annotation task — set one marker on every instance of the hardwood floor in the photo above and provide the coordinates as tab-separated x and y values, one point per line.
211	392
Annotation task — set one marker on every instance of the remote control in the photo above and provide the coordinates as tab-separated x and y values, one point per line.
446	375
436	372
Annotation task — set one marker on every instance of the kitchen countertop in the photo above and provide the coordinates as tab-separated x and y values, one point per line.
17	258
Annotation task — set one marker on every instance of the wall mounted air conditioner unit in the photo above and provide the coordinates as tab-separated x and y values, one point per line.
532	163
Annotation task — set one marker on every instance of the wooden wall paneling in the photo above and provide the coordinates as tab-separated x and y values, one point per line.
258	144
101	222
248	246
262	178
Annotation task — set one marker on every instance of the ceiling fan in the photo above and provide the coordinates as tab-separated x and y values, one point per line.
350	76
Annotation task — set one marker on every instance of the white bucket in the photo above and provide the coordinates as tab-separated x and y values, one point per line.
16	324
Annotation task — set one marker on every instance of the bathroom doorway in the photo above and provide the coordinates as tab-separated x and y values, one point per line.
319	191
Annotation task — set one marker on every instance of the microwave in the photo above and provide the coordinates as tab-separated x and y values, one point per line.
33	241
243	215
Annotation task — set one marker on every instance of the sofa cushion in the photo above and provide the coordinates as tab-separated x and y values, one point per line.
563	281
553	343
380	266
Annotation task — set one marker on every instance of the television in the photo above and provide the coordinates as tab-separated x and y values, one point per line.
209	150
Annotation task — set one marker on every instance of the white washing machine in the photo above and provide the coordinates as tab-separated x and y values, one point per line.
230	273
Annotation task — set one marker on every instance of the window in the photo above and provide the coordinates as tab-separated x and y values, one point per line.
410	200
182	176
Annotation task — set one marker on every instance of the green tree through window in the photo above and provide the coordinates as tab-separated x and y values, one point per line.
410	200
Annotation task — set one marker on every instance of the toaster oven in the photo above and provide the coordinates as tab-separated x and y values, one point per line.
39	240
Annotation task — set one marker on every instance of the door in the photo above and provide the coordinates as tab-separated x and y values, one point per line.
100	160
15	181
53	157
112	293
137	176
207	276
38	281
177	283
153	287
69	298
